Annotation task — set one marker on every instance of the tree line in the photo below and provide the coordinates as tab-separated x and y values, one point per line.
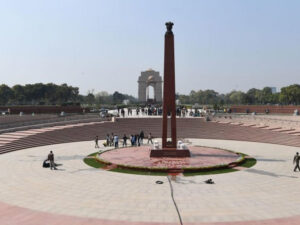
53	94
288	95
37	94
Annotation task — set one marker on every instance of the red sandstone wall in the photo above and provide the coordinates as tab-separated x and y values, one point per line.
262	108
43	109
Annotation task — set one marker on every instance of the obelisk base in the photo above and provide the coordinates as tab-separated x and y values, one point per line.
176	153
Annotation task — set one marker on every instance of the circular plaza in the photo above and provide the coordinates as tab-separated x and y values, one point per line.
77	193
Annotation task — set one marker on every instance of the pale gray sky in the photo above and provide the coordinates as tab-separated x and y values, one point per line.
104	45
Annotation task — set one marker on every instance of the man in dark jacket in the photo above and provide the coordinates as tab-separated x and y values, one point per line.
142	135
125	140
96	142
51	160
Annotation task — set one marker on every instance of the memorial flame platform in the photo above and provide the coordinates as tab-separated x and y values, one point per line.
170	153
138	158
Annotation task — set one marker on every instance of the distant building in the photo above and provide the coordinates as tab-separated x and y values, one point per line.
274	90
150	78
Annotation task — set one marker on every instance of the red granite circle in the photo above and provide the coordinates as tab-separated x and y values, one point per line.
201	157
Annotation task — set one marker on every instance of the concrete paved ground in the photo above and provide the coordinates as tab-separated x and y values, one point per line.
267	193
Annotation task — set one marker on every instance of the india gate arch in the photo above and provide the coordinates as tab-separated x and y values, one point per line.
150	78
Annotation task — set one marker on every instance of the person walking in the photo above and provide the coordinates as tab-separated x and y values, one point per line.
297	160
51	160
142	135
150	138
131	139
96	142
116	141
107	140
112	139
125	140
137	139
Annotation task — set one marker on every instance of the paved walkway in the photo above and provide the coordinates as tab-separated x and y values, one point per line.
77	194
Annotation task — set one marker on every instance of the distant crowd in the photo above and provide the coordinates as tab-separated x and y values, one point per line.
133	139
157	111
145	111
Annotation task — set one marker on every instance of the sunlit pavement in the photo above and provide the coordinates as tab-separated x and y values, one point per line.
267	193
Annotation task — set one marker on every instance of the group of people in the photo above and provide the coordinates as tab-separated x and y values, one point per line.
150	110
135	140
158	111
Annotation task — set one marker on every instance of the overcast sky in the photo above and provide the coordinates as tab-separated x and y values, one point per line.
104	45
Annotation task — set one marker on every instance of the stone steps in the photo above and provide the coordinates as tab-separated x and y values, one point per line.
186	128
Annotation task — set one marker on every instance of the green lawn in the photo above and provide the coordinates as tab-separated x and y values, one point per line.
93	163
248	162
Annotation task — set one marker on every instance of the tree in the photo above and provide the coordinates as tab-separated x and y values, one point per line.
118	97
184	99
252	96
19	94
202	97
103	98
208	97
6	94
90	99
237	97
290	94
50	94
266	95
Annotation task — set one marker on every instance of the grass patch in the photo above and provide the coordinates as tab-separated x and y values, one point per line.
219	171
248	162
93	162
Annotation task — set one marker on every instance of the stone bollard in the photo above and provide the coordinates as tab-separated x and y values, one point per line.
179	144
183	146
155	145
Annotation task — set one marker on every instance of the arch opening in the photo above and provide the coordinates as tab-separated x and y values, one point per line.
150	94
